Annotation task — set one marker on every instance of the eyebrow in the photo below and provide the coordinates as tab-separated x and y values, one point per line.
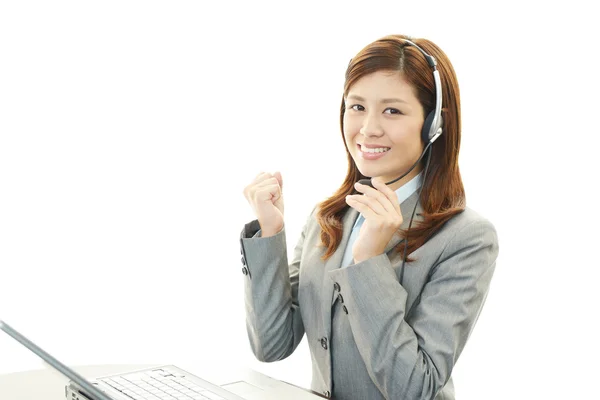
384	101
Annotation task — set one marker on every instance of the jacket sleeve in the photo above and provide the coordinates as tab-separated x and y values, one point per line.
273	319
412	357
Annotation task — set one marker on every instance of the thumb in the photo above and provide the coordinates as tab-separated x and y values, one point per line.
277	176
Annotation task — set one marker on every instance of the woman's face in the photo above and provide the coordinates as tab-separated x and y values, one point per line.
382	126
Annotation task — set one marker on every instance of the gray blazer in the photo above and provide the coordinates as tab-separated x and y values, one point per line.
370	337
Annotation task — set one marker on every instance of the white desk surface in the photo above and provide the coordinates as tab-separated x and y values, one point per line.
48	384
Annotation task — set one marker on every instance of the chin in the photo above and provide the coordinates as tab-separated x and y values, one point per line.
368	171
365	172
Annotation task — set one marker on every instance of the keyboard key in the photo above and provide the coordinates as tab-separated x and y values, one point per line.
159	384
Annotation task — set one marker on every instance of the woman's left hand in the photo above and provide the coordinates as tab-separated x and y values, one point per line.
381	210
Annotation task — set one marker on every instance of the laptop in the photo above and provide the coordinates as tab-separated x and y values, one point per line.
165	382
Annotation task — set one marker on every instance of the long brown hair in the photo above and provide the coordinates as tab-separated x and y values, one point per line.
443	193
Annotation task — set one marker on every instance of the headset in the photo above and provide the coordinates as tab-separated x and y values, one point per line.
431	131
432	126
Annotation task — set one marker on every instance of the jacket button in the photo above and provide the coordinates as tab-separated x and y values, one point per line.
243	261
336	286
340	297
327	394
345	310
245	271
324	343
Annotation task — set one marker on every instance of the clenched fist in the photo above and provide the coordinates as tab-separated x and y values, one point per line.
266	198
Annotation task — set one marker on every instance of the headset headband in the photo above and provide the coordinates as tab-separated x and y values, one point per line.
435	129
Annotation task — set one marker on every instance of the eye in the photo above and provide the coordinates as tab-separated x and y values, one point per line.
393	111
357	107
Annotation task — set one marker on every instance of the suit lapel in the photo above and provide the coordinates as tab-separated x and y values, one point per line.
406	208
334	262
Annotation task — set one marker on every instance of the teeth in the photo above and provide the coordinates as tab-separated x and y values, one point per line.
377	150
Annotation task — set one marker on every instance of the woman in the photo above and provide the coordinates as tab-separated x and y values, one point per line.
388	278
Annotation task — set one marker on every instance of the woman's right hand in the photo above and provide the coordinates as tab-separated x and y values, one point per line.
266	198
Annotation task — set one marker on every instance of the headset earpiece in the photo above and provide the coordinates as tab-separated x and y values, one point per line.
429	132
426	131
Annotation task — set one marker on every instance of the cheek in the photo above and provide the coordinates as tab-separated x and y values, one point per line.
348	139
350	129
348	134
408	135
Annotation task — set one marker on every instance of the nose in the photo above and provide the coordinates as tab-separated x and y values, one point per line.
371	126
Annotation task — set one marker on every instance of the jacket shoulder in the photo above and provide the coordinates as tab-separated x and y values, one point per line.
468	217
466	229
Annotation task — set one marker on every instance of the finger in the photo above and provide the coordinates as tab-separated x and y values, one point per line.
373	204
260	180
257	179
264	180
267	193
277	176
377	194
390	194
361	207
261	177
373	210
266	176
267	182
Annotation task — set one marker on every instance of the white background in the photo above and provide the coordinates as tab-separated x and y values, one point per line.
128	131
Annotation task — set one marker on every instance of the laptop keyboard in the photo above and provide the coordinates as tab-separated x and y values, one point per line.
159	384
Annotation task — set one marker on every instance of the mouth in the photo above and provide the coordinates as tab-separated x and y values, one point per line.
372	153
376	150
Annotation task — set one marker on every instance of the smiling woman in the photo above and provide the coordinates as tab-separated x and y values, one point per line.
380	324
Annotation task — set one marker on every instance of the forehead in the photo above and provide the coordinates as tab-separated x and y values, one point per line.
383	84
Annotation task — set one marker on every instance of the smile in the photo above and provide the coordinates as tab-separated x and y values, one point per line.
372	153
376	150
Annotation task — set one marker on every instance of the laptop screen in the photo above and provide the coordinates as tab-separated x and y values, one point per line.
90	390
